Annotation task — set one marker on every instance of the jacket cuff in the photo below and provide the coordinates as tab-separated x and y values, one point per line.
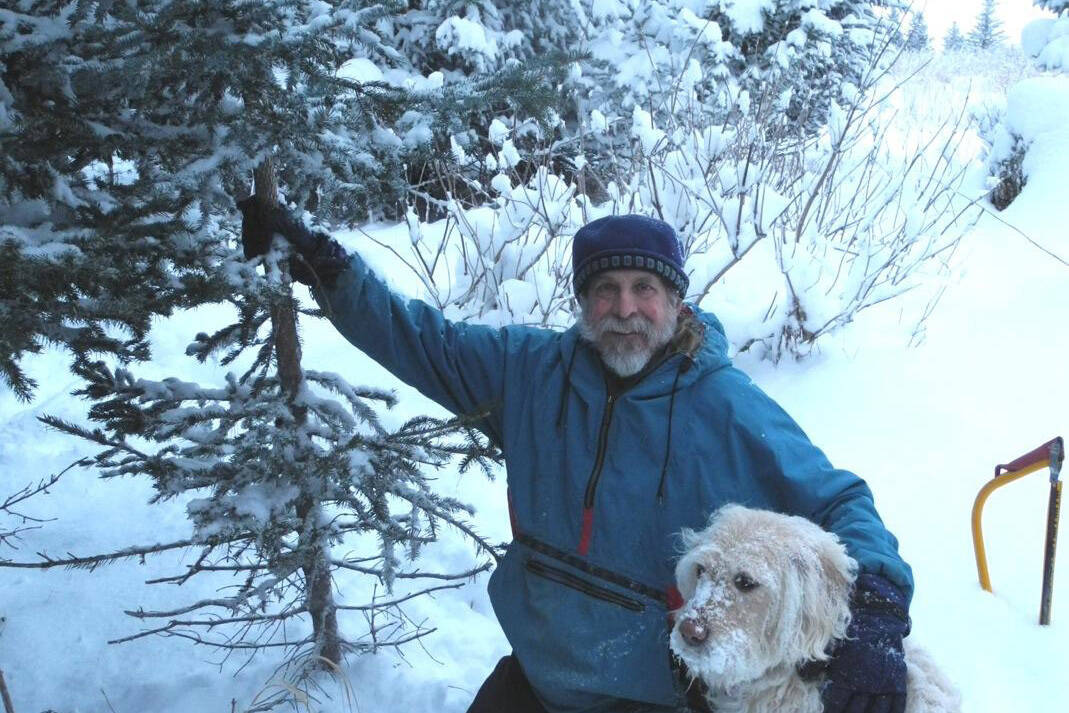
875	593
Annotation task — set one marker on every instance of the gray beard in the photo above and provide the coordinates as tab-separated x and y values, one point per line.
621	359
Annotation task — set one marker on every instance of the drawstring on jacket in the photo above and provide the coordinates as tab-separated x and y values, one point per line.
563	411
684	364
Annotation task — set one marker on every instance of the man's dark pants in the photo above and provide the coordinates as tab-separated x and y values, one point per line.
506	690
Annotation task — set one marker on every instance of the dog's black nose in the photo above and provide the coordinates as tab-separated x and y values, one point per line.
693	631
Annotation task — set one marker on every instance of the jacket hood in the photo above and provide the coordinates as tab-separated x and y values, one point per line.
713	353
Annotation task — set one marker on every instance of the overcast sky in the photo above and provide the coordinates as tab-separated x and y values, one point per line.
1014	14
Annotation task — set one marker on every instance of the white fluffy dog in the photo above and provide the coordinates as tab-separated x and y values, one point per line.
765	593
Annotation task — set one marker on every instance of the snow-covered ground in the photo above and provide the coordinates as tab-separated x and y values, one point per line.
924	425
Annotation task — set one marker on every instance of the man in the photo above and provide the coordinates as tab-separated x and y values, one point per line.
617	433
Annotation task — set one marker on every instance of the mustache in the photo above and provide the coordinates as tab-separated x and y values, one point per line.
635	323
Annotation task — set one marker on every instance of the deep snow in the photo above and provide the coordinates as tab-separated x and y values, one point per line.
924	425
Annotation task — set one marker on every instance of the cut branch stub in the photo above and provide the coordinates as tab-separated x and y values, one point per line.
283	313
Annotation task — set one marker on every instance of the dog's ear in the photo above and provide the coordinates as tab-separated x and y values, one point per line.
686	577
689	539
838	572
820	577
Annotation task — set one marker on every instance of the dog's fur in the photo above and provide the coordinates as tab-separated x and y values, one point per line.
771	592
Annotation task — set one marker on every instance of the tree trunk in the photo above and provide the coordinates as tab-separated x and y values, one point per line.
318	591
9	707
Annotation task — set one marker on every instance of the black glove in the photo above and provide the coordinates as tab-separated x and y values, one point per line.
867	671
255	227
318	259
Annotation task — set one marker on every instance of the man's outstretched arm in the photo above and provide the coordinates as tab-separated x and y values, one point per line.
460	366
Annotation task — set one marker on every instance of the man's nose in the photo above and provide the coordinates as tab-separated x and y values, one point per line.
625	304
693	631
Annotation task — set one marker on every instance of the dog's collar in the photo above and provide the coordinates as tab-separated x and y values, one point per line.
812	670
694	690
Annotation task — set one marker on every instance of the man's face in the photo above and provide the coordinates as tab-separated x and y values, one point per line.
628	315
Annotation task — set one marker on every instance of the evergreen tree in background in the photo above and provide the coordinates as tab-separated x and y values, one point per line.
954	39
801	57
894	26
1055	6
918	40
988	31
652	53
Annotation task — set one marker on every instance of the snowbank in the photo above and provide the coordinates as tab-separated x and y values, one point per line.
1035	129
1047	40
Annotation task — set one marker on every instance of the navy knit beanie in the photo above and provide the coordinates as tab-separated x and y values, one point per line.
627	242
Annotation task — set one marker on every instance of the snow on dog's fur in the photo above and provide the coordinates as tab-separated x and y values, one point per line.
765	593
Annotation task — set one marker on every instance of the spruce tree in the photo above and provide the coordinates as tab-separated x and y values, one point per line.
806	53
894	26
918	40
988	31
1055	6
954	39
129	131
292	488
80	220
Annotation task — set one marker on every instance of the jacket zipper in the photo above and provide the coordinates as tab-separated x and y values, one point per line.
599	458
579	584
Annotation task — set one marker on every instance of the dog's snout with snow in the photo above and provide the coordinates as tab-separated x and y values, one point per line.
710	600
763	594
693	631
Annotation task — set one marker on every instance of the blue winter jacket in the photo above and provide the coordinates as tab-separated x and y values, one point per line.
599	488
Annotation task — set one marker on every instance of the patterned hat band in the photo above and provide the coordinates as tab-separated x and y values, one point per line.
629	261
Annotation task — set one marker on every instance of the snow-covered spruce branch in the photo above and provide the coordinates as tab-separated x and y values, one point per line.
379	573
243	639
42	486
208	624
443	509
378	604
252	646
91	562
177	629
23	523
257	619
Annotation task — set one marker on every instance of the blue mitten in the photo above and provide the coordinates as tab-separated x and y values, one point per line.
867	671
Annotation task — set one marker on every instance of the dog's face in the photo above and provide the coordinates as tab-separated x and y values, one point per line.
760	590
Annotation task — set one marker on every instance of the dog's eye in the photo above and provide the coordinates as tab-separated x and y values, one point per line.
699	570
744	582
